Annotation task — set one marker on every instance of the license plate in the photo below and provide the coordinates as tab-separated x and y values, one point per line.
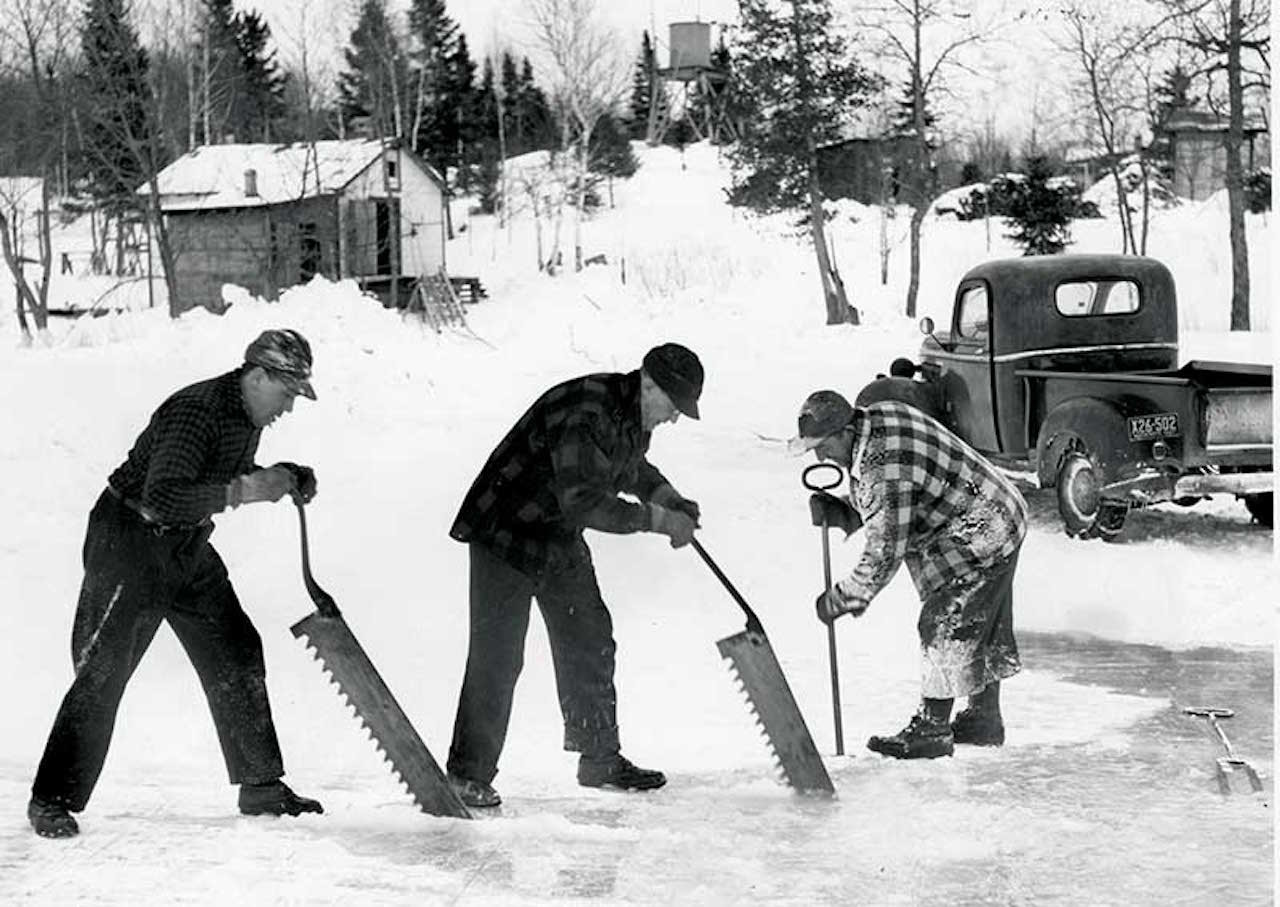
1157	425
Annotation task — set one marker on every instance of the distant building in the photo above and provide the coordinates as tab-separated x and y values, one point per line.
1200	155
873	168
268	216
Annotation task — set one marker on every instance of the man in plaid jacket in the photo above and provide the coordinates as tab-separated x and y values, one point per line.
560	470
147	559
923	496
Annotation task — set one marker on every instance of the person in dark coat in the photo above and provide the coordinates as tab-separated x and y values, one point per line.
147	559
560	470
924	497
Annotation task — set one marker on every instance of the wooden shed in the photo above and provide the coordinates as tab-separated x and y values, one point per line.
267	217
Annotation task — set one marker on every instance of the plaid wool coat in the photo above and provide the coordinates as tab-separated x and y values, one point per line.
926	498
560	470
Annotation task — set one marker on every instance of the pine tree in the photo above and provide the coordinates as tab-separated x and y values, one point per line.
535	110
902	121
117	101
459	107
262	104
220	74
376	80
800	83
611	153
644	84
436	38
1039	214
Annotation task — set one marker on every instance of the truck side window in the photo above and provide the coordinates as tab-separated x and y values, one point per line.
1097	297
974	320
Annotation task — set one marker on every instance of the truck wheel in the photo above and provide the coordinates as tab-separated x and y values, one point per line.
1084	514
1260	507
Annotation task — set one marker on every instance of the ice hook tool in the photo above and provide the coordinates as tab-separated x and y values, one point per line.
753	661
823	486
1230	762
336	648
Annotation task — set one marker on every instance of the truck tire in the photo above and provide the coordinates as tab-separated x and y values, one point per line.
1084	514
1260	508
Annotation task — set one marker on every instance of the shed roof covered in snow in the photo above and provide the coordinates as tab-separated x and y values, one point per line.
246	176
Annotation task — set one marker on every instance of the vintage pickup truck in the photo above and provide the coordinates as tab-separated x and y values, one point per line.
1065	368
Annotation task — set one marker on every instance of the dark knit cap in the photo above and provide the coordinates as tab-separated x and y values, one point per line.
678	372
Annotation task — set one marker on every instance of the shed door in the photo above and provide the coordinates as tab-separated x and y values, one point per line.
387	229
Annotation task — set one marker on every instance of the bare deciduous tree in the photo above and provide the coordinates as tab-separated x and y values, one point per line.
925	36
1232	39
19	205
1112	47
590	75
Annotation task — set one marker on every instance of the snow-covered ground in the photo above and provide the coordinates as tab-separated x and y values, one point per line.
1104	793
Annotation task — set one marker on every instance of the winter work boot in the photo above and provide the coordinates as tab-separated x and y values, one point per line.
617	771
923	738
978	728
274	799
51	820
474	793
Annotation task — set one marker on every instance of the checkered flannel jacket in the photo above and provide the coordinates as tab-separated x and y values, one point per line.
927	498
559	470
198	440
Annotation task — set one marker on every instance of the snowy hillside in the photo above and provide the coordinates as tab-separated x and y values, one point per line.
1103	794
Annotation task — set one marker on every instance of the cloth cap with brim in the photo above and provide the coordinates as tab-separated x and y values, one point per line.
678	372
823	414
286	355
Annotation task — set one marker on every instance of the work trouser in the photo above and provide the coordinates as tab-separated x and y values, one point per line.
135	577
582	653
966	633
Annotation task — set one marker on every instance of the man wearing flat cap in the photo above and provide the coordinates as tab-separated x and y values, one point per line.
147	559
560	470
925	497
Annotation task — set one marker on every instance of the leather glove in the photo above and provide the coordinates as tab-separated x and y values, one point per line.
675	524
666	496
304	479
836	511
831	605
260	485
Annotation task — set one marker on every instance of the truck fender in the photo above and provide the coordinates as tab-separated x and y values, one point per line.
1091	425
1082	444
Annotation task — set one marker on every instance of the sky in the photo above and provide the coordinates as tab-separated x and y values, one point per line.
1103	793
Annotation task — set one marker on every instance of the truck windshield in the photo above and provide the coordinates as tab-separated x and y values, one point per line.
1097	297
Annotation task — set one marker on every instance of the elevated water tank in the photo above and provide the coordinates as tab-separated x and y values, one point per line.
690	45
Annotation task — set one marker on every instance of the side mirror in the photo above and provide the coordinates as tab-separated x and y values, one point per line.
927	327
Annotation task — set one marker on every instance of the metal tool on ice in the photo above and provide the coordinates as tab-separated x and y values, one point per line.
753	661
1230	762
822	487
336	648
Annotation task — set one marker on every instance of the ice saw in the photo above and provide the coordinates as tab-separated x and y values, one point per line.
752	660
335	647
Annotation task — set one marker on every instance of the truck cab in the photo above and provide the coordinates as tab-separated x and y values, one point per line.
1067	366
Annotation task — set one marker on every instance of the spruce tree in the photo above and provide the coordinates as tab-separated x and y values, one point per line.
375	80
117	101
644	84
1039	214
261	105
436	39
